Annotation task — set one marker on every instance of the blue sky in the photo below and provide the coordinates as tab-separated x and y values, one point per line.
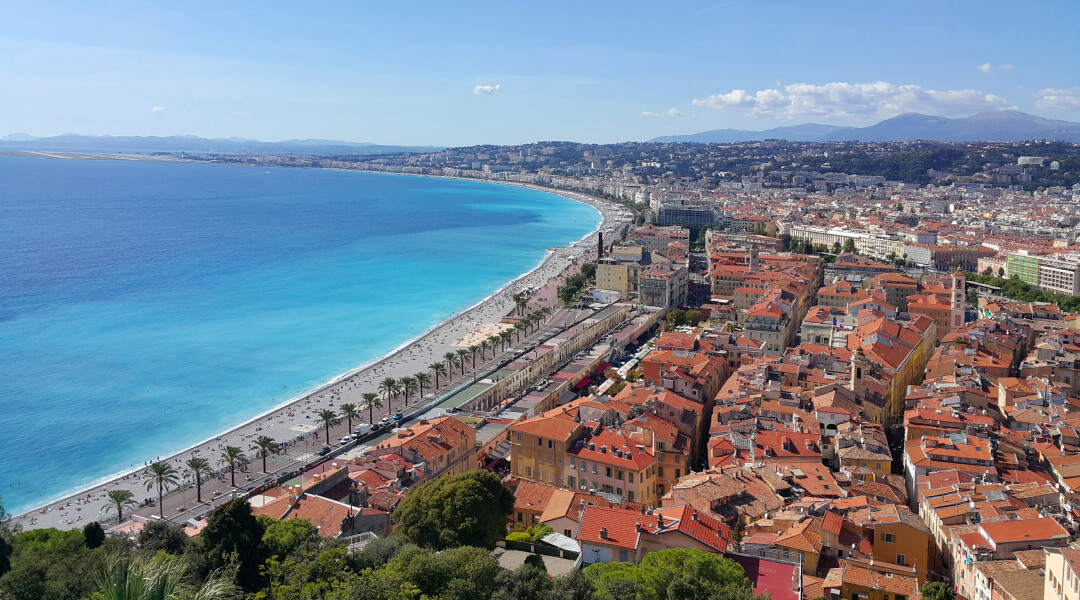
458	73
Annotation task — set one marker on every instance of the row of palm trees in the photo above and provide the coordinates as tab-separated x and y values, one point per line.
461	359
164	475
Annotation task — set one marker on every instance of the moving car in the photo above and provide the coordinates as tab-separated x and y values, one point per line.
398	417
324	451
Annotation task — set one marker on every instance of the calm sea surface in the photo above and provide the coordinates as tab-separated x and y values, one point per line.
147	306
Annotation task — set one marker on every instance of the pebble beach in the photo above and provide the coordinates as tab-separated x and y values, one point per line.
295	421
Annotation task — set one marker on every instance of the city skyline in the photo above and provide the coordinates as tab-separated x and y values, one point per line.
498	75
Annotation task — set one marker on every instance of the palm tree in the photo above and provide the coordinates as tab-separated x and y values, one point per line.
158	577
121	499
436	370
460	360
521	302
349	412
449	356
198	468
264	445
371	402
527	322
422	379
505	336
473	349
408	384
162	475
234	457
517	330
389	387
485	345
327	418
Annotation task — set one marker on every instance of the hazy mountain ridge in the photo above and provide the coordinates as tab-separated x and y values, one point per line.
1001	126
184	143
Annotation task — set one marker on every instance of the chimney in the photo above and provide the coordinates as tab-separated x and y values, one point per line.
603	533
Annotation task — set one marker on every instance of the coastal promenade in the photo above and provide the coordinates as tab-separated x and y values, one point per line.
296	422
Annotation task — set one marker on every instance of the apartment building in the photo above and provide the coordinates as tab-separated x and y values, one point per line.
613	463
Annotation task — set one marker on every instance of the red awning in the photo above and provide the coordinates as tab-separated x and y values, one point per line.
600	368
582	383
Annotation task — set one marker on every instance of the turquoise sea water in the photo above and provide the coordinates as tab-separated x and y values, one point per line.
147	306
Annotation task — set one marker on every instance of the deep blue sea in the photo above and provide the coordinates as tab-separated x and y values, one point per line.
145	307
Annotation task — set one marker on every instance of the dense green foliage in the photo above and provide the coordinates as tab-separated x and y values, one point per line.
575	284
49	563
531	534
292	562
93	536
673	574
162	536
461	510
281	538
234	536
937	591
1018	290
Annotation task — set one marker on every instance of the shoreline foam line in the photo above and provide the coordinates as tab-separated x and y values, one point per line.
598	205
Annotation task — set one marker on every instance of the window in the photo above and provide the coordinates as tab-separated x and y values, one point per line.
571	463
676	473
528	471
623	556
631	477
550	444
678	458
659	472
520	517
660	446
570	481
630	495
607	471
619	474
519	437
540	442
567	533
888	537
900	559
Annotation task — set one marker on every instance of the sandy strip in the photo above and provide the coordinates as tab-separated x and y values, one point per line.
290	420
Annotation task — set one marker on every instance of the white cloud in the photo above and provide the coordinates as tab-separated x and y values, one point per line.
671	112
984	68
486	89
1008	67
841	101
1058	99
157	109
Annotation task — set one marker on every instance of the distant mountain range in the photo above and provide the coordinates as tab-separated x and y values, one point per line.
184	143
1001	126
